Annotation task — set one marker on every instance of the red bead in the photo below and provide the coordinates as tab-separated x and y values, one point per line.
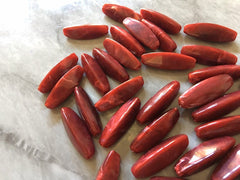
142	33
208	55
204	155
121	54
205	91
78	132
120	94
229	168
64	87
168	61
110	65
158	103
227	126
120	122
217	108
57	72
160	156
87	111
166	42
210	32
204	73
166	23
95	74
119	13
154	132
84	32
110	168
127	40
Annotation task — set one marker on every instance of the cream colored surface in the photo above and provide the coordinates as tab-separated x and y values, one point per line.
33	142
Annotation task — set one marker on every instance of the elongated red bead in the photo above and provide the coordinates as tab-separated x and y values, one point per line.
120	94
84	32
158	103
160	156
217	108
119	13
166	42
110	65
204	73
205	91
95	74
78	132
208	55
127	40
166	23
210	32
121	54
168	61
204	155
120	122
227	126
110	168
57	72
141	32
64	87
88	111
165	178
229	167
154	132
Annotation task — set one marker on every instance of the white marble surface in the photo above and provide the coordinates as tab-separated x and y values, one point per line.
33	142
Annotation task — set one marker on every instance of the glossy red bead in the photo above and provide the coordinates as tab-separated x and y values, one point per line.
95	74
204	155
229	168
160	156
166	42
110	65
84	32
154	132
87	111
120	94
217	108
227	126
127	40
141	32
57	72
120	122
121	54
119	13
166	23
158	103
168	61
64	87
205	91
210	32
208	55
110	168
78	132
204	73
